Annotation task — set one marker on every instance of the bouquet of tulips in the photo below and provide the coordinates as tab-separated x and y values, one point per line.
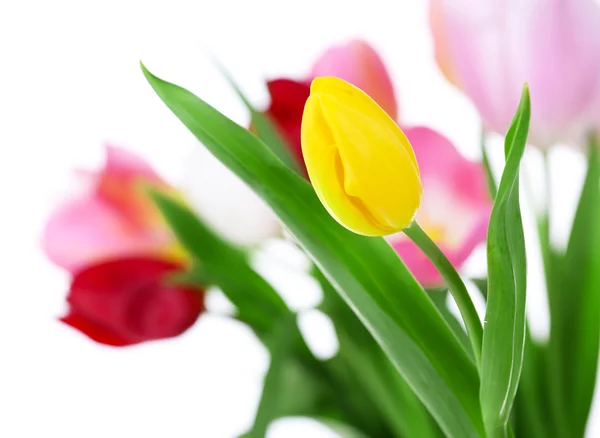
386	214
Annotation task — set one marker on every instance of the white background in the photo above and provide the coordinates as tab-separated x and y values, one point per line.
69	81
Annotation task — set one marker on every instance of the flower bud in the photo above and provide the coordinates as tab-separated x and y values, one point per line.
359	161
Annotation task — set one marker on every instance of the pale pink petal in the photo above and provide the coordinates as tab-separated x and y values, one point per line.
489	49
358	63
89	230
562	65
473	34
455	208
122	184
111	217
125	164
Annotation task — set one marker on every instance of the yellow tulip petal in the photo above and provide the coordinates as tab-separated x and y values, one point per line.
354	97
359	161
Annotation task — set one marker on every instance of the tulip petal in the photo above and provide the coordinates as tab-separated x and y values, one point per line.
322	163
113	217
87	230
287	105
562	61
490	49
455	209
359	64
96	332
126	301
359	161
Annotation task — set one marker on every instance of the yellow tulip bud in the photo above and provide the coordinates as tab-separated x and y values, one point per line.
359	161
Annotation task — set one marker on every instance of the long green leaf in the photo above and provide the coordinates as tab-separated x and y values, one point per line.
365	271
504	331
371	370
580	304
264	127
312	387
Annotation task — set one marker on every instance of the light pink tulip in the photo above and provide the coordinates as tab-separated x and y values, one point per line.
455	209
358	63
490	48
113	218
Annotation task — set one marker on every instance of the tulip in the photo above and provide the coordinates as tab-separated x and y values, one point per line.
128	301
456	206
114	217
359	161
355	62
490	48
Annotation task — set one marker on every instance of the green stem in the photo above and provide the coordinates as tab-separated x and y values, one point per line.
455	284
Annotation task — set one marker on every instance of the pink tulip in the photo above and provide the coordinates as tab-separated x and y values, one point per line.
455	209
490	48
358	63
113	218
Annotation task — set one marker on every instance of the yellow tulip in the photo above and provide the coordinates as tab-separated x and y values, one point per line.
359	161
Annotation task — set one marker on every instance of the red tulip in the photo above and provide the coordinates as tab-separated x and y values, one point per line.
128	301
287	105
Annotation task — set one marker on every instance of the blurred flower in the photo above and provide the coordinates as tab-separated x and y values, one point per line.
128	301
456	206
355	62
225	202
361	164
113	218
490	48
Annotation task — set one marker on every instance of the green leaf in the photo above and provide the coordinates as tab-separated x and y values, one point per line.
343	430
272	395
366	272
439	297
579	318
504	330
531	408
264	127
371	371
311	385
223	264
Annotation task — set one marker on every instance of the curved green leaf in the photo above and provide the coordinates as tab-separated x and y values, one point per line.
264	127
504	330
223	264
579	319
365	271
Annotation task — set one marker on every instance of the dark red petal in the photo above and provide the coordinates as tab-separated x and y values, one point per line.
288	98
128	300
96	332
166	311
